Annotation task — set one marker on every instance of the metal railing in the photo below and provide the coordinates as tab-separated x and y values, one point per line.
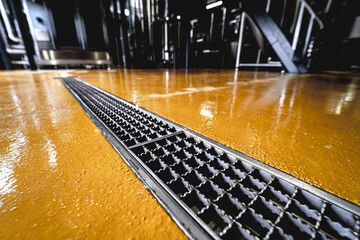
11	35
301	7
297	25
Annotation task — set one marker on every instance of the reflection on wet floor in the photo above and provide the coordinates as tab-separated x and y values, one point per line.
59	177
306	125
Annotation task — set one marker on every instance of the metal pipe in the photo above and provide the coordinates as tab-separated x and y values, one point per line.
240	42
124	34
166	40
192	23
80	29
298	27
211	26
274	64
309	9
149	19
312	13
268	3
166	8
328	5
132	15
141	14
258	56
156	8
283	13
223	23
308	34
24	21
296	14
8	28
179	40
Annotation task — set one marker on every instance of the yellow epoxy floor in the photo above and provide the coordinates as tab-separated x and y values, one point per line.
59	178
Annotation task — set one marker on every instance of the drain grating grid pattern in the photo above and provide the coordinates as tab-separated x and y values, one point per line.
230	197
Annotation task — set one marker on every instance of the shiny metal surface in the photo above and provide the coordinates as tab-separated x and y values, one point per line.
63	57
299	124
7	24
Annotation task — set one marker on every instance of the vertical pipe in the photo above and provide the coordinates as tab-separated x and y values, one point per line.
25	32
258	56
211	26
112	33
240	42
328	6
296	14
179	40
149	19
132	11
283	13
166	8
117	30
166	31
80	28
166	39
308	34
146	30
223	24
13	37
124	35
156	10
103	24
141	14
191	34
268	3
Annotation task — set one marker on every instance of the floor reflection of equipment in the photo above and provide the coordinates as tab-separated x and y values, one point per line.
68	32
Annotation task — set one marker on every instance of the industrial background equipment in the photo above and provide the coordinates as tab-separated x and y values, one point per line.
294	35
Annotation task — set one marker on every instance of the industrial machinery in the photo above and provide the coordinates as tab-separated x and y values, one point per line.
62	33
296	36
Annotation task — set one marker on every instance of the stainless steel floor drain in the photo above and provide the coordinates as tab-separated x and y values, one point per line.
210	190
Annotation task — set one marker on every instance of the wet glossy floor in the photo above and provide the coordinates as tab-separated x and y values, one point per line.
59	178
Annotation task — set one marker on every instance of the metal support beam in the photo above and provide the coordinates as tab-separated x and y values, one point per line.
241	38
298	27
25	32
123	34
112	35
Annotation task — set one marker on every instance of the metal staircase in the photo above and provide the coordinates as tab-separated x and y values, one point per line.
290	38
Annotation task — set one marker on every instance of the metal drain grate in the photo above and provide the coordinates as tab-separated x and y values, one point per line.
210	190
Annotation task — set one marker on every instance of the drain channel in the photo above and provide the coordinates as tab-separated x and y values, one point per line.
210	190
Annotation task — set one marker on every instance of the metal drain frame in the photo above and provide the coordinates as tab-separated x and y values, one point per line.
184	217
